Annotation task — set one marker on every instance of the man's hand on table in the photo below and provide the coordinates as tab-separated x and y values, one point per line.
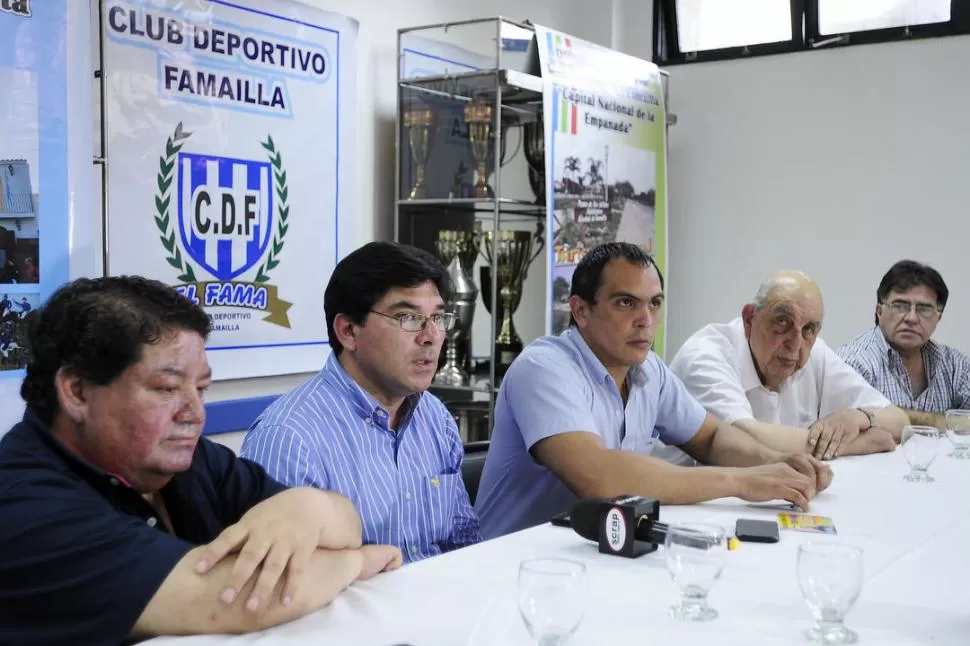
273	541
811	467
379	558
779	481
831	435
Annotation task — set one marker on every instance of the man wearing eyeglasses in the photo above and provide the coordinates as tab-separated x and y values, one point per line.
769	373
898	357
364	425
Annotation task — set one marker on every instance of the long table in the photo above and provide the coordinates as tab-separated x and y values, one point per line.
916	539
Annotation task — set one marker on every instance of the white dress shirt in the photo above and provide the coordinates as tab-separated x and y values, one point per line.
717	368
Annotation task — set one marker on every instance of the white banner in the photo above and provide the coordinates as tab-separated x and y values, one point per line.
230	149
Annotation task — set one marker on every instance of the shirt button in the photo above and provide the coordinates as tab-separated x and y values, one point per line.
407	495
380	413
152	521
114	482
366	420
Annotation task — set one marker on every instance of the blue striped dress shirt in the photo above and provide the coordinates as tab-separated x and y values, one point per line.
405	483
947	372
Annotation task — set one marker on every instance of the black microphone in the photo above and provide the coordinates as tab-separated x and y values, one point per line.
624	526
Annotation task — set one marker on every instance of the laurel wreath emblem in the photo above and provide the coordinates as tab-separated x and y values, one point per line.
166	165
166	168
283	210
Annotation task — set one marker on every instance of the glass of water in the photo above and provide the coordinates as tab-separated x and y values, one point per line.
695	555
920	446
830	576
958	431
552	598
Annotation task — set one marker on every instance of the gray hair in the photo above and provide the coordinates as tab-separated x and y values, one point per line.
762	296
782	281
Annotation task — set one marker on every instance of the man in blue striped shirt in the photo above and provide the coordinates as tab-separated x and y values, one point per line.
898	357
363	426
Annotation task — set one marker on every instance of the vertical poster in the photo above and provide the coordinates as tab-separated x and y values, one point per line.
230	158
606	154
44	169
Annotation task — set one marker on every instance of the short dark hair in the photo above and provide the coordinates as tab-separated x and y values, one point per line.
907	274
367	274
588	275
97	328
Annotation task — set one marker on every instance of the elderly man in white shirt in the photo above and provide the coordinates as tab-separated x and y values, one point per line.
769	374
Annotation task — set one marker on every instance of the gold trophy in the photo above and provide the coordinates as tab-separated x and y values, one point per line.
418	121
478	116
516	252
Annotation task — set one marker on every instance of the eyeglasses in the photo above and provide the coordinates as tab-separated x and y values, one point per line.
411	322
924	310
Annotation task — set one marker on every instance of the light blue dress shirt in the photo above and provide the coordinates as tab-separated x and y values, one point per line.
406	484
557	385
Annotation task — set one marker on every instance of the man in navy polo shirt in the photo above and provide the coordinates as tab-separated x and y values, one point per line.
116	521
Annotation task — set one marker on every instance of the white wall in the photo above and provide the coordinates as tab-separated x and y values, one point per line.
835	162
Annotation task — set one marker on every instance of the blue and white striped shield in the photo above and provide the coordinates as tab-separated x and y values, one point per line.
225	212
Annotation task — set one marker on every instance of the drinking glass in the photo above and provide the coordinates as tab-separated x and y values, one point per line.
552	599
695	555
830	576
958	431
920	446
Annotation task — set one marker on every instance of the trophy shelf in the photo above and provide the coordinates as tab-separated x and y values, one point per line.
521	92
470	187
509	209
478	384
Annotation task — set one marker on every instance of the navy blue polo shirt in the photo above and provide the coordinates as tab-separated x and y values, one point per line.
82	554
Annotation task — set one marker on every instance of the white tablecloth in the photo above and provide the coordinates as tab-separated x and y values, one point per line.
916	539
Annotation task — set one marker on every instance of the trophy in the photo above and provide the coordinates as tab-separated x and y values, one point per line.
457	250
516	251
418	123
535	155
478	116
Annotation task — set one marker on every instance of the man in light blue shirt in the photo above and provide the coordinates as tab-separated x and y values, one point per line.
578	415
364	426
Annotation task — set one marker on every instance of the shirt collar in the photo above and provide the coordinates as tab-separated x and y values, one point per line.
879	339
335	374
637	375
930	350
82	467
745	362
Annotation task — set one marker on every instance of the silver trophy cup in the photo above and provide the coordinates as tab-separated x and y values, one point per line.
457	251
